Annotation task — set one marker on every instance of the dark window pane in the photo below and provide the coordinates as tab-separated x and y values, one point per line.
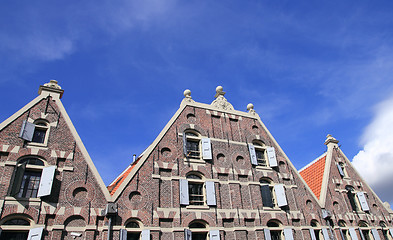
39	135
10	235
30	184
133	236
17	222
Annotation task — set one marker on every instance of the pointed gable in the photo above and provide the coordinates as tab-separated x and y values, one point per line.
313	174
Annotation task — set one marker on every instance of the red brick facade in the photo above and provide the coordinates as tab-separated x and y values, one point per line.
248	189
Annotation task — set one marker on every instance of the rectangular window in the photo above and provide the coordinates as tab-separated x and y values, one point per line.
195	191
30	184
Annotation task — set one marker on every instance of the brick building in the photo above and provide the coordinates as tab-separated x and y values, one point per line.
212	173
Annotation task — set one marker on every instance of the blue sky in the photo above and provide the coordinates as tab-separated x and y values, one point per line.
310	68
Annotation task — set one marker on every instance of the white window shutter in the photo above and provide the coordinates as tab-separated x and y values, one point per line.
312	234
340	170
280	195
271	155
206	149
185	144
184	198
352	233
391	231
27	131
187	234
288	234
145	234
325	234
210	194
214	234
266	232
253	155
361	234
363	201
375	234
123	234
35	233
342	234
47	176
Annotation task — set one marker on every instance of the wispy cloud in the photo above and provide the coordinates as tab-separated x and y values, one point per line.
375	161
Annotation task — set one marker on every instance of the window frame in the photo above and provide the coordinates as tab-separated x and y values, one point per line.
40	125
200	182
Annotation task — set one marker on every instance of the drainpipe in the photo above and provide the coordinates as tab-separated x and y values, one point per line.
110	212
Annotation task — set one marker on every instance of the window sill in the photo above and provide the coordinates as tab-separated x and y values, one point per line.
194	160
200	207
271	209
37	145
263	168
9	198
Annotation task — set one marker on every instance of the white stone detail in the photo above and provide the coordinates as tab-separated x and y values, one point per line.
221	102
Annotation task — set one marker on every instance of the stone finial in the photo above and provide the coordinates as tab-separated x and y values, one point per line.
52	84
221	102
250	109
51	88
187	96
330	140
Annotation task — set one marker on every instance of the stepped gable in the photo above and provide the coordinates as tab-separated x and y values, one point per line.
313	174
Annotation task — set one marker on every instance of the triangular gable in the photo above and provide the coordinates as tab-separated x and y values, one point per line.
313	174
73	131
131	173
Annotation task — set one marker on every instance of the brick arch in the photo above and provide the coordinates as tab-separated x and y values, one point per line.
204	217
23	216
186	169
186	126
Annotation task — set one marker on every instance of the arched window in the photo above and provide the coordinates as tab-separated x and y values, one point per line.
351	197
133	229
40	131
197	230
274	229
192	141
343	230
195	189
260	152
29	174
15	227
364	230
315	230
267	193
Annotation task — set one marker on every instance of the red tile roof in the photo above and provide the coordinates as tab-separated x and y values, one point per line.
313	175
119	180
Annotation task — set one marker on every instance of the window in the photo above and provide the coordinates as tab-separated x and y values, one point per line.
18	228
31	179
351	197
359	200
37	133
261	155
198	230
315	230
272	195
342	170
364	231
260	152
267	193
195	191
192	141
274	230
132	230
343	232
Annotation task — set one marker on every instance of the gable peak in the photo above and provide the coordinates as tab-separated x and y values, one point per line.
330	140
221	102
51	88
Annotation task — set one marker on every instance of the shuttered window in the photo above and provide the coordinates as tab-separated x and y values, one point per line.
325	234
288	234
145	234
352	233
266	193
184	200
362	200
340	170
210	194
280	195
187	234
35	233
47	177
27	131
312	234
214	234
375	234
206	149
253	156
123	234
271	154
266	232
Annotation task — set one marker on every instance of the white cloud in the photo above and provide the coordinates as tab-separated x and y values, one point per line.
375	161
